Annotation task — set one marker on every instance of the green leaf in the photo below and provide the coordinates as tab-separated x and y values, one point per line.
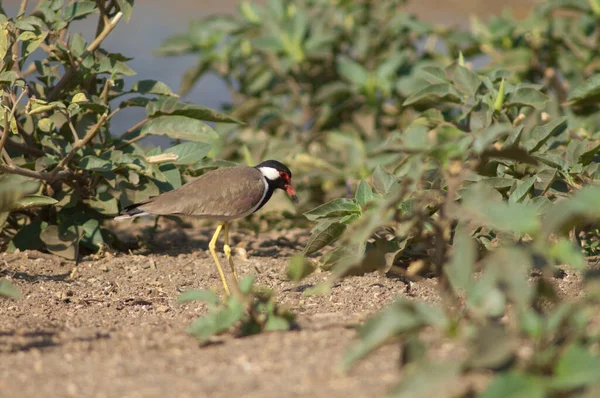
28	237
275	323
151	87
172	174
492	347
31	41
189	152
464	79
192	75
94	163
576	367
261	81
179	127
92	233
483	205
43	106
7	289
8	77
522	190
126	6
352	71
428	379
78	10
29	23
250	11
383	180
172	106
460	267
13	188
114	66
335	208
527	96
396	318
582	206
541	134
587	156
217	322
63	244
586	93
434	93
515	385
299	267
364	193
499	100
135	101
207	296
481	116
388	68
486	138
348	255
78	45
30	201
246	284
324	233
104	203
566	253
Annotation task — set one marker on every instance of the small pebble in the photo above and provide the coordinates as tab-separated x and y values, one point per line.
241	253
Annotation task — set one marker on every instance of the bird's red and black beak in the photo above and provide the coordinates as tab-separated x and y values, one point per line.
291	191
286	182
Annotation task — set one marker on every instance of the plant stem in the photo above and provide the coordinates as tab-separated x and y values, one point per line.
103	20
12	169
133	128
67	77
23	8
6	127
78	145
4	138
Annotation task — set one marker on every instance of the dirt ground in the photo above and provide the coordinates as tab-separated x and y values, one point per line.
116	331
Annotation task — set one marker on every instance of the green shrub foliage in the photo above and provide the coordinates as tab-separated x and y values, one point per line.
63	169
428	150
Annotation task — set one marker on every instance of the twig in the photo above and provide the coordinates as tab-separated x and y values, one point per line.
73	130
23	8
5	130
22	148
12	169
67	77
133	128
105	90
104	20
15	49
5	137
78	145
31	68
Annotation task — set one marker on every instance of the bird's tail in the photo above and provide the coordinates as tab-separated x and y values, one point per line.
131	211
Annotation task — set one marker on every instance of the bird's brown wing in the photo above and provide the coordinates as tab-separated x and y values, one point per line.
226	193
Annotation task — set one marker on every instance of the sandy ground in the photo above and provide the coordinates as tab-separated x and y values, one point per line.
116	331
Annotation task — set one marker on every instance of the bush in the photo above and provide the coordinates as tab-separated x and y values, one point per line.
63	169
439	152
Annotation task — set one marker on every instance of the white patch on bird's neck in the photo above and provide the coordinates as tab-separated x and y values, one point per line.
269	173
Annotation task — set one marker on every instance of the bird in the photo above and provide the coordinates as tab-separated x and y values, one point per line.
222	195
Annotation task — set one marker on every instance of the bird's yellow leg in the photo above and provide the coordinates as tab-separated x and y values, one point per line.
211	247
227	250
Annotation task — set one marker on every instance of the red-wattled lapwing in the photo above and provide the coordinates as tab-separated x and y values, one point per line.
224	195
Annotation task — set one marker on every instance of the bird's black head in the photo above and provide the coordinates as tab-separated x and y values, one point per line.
278	176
